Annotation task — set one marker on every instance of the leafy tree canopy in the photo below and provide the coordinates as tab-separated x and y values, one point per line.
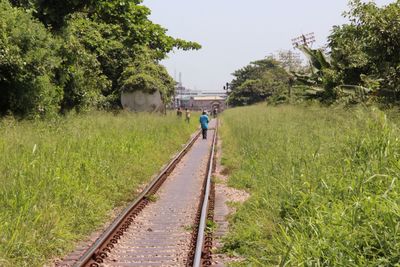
148	76
257	81
90	51
28	63
364	58
367	50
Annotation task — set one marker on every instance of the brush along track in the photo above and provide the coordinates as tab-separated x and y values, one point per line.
161	227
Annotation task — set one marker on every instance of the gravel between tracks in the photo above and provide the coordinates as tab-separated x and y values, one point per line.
82	246
161	233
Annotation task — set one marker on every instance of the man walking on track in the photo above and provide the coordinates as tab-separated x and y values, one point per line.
215	113
187	113
204	124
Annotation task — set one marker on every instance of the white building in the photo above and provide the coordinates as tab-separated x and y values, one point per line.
183	95
198	100
208	103
214	93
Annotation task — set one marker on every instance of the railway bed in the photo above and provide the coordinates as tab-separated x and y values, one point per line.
167	224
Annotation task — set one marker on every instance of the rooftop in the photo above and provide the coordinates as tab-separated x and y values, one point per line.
208	98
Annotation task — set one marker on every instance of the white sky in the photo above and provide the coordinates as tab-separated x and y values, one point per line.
233	32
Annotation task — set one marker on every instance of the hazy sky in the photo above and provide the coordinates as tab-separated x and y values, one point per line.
234	32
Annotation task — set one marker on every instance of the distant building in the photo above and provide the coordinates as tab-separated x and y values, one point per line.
207	103
183	95
199	100
214	93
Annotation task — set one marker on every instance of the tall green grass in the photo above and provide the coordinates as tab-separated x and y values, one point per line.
59	178
324	185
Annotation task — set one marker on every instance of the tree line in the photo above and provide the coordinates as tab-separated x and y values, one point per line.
361	63
63	55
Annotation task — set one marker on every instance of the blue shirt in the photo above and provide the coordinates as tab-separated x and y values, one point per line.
204	121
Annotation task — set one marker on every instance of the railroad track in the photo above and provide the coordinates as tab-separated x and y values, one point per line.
167	224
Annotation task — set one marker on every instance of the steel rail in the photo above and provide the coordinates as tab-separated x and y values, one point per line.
204	211
95	249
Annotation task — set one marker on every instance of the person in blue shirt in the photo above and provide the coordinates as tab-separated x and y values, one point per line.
204	120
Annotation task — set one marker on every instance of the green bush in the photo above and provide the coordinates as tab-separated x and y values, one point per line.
81	75
28	60
149	77
259	81
70	55
368	48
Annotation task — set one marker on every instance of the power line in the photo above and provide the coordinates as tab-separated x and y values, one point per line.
304	40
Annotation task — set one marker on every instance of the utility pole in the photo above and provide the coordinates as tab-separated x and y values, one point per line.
226	88
304	39
180	90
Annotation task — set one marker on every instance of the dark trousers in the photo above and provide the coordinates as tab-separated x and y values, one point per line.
204	132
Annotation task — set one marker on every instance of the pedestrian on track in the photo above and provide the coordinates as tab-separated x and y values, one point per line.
204	120
215	113
187	115
179	112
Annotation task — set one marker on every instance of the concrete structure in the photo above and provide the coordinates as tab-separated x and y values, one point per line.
207	103
183	95
198	100
139	101
214	93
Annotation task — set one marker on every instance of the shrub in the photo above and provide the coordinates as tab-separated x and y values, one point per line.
28	59
81	75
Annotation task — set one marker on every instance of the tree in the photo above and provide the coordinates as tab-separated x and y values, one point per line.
28	63
82	56
257	81
119	33
148	76
54	12
80	75
367	50
290	60
323	81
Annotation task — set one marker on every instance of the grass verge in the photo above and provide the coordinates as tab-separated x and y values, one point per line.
324	185
59	178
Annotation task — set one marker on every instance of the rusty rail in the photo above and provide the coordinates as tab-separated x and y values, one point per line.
204	243
99	250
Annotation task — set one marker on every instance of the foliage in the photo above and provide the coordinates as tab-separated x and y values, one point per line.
81	75
258	81
367	50
323	183
28	63
290	61
89	44
320	84
61	178
364	57
137	29
323	81
363	64
133	35
105	45
52	13
148	77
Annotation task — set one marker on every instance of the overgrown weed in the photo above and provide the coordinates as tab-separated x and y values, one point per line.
60	178
324	185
